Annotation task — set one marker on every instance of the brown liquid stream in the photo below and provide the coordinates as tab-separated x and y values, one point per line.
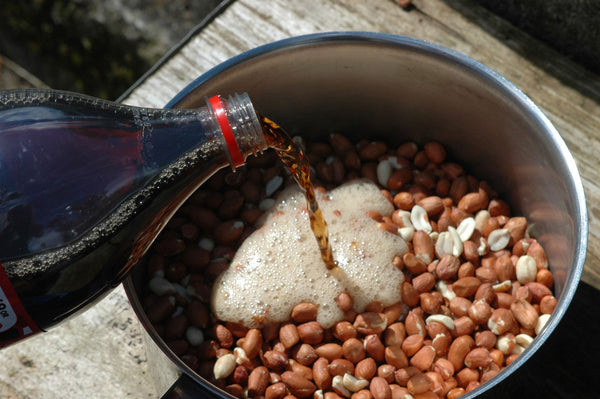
297	163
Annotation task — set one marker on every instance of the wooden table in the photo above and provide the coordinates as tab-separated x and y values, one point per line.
101	354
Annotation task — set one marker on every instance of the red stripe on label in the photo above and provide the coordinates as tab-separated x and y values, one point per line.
15	322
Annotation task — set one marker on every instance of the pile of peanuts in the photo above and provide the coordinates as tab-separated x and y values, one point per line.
477	289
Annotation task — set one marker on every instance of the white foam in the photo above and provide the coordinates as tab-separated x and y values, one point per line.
280	264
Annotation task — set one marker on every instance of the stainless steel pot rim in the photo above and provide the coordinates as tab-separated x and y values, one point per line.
487	75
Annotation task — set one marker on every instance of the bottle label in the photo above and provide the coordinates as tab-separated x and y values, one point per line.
15	322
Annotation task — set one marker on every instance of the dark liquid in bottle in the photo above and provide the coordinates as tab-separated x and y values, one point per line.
297	163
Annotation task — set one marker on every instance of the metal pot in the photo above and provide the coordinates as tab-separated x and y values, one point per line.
396	88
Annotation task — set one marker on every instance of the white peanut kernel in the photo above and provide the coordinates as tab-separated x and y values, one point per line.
337	383
480	218
457	243
161	286
354	384
442	319
194	335
419	219
542	320
498	239
443	244
526	269
443	289
466	228
406	233
503	286
384	171
524	340
224	366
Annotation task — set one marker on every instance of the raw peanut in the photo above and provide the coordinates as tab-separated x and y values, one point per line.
443	367
258	381
497	356
501	321
438	382
404	201
485	339
344	330
386	371
393	312
516	227
399	392
486	292
466	269
478	357
435	328
235	390
441	343
310	332
275	360
414	323
252	343
395	356
523	340
466	375
536	251
423	245
459	306
433	205
374	347
353	350
423	359
304	312
298	385
413	264
372	151
407	150
424	282
511	358
320	373
228	232
504	268
161	309
224	336
288	335
380	389
330	351
548	304
362	394
486	274
480	311
463	326
344	301
276	391
340	367
419	383
489	372
448	267
395	334
300	369
498	207
305	354
504	300
459	349
366	368
412	344
404	374
545	277
538	291
455	393
506	343
435	152
370	323
473	202
410	296
525	313
375	306
430	303
466	286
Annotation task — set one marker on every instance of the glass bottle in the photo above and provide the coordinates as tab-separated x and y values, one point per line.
86	185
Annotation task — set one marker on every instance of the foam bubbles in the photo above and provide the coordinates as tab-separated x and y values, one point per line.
280	264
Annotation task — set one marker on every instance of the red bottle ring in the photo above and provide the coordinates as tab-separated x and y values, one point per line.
216	104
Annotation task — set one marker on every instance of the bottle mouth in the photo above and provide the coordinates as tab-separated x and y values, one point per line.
241	130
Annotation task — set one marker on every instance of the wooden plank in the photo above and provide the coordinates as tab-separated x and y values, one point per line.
566	92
